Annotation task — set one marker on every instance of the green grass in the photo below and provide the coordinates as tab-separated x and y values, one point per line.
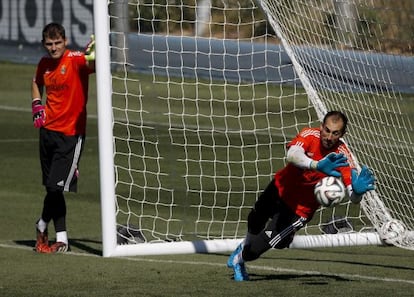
356	271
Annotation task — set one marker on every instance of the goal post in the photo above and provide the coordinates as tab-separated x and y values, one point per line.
198	99
105	135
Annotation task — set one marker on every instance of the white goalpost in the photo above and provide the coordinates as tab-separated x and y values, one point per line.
198	99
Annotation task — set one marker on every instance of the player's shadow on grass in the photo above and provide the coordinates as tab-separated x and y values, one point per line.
84	245
79	243
376	265
305	279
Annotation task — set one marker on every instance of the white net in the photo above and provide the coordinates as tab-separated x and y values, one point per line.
356	56
206	95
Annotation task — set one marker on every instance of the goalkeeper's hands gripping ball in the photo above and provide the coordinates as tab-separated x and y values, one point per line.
38	113
330	163
90	49
363	182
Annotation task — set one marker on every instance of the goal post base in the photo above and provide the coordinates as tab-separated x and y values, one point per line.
228	245
336	240
170	248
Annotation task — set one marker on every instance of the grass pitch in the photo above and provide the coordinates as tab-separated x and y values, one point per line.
356	271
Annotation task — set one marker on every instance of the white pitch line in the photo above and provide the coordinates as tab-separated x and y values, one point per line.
18	140
251	267
24	109
15	108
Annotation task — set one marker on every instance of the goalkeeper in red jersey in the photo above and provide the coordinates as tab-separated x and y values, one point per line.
288	201
64	76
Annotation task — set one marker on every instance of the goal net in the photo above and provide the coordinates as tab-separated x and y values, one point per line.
198	99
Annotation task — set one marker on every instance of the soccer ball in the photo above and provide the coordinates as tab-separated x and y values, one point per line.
393	231
329	191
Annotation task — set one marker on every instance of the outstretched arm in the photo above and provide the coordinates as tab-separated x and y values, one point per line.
328	165
361	183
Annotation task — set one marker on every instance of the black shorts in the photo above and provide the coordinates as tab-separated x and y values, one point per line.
280	216
59	159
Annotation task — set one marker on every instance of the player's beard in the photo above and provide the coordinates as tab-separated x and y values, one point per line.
327	144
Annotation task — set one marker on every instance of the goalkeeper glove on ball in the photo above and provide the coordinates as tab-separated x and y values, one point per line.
90	49
330	163
363	182
38	113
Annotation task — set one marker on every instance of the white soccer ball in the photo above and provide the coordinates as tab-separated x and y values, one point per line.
393	231
329	191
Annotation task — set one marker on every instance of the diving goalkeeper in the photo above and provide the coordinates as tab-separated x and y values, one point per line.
288	202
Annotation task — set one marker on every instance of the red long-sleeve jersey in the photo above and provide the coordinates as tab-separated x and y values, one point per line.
66	84
296	184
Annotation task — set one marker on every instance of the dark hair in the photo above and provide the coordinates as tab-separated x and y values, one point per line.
337	115
53	31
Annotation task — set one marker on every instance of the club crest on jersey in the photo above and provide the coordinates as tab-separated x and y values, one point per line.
63	69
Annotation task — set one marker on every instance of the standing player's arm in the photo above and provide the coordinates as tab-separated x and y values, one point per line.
38	110
91	65
37	90
328	165
90	53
